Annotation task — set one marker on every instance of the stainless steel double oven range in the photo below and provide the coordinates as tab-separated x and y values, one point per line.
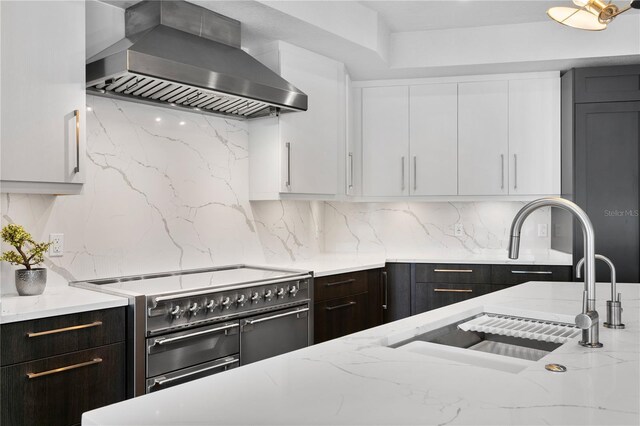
189	324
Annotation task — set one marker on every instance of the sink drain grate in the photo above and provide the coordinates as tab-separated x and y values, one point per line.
526	328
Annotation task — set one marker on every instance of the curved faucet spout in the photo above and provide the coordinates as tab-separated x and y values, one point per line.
590	335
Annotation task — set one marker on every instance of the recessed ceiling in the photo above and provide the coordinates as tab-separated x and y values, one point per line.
422	15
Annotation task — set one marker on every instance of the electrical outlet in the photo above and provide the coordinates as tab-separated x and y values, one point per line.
543	230
57	248
459	230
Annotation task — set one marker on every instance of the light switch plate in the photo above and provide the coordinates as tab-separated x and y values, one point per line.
543	230
57	248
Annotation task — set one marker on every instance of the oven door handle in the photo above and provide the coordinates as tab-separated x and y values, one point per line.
166	340
164	380
284	314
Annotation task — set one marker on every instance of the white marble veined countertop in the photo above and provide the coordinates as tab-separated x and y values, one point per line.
60	299
337	263
56	300
357	379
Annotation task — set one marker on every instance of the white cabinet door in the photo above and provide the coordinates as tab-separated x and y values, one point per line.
385	141
534	136
483	138
310	139
433	139
43	85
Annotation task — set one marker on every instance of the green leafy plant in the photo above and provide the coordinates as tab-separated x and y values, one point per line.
28	253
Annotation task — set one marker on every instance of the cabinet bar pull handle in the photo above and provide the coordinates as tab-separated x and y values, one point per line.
453	290
164	340
346	305
515	171
458	271
533	272
288	182
65	329
349	281
77	114
502	165
415	172
350	170
62	369
385	284
286	314
402	173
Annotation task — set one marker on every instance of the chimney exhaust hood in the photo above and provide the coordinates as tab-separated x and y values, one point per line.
180	55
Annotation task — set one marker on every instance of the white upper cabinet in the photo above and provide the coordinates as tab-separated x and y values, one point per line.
385	141
534	136
483	138
297	153
433	139
43	96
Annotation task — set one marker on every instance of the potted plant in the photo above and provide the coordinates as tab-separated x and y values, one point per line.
29	281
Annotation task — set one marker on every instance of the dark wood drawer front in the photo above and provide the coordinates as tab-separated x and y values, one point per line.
453	273
41	338
89	379
518	274
341	285
607	84
339	317
428	296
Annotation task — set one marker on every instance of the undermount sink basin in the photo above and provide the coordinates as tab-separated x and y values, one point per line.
493	341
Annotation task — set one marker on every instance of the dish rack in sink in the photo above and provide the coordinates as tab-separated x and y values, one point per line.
526	328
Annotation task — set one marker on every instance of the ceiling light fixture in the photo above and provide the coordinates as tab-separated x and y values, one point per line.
591	15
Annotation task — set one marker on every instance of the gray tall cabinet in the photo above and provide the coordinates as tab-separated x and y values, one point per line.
601	163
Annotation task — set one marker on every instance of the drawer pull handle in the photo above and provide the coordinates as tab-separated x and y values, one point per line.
345	305
165	340
65	329
453	290
63	369
458	271
340	282
533	272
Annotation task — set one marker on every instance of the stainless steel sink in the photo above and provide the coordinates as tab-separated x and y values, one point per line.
516	347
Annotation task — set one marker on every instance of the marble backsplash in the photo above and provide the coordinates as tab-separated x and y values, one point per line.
168	190
413	227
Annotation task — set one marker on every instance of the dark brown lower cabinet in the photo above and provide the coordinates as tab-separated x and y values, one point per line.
347	303
57	390
54	369
430	296
339	317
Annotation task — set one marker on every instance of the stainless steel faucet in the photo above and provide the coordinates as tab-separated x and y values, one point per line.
588	319
614	306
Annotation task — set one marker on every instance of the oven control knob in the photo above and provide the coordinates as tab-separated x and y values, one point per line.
280	292
268	295
194	309
254	297
175	312
226	302
241	300
211	305
293	291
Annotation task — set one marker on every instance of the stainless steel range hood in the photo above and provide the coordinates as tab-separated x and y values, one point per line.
180	55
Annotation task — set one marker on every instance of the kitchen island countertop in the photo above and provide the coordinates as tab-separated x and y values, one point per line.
358	379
